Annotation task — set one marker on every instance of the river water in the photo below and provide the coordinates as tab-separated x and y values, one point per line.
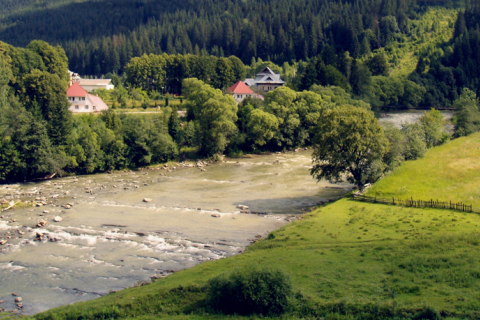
409	116
110	239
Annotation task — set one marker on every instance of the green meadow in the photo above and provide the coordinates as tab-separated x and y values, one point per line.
348	259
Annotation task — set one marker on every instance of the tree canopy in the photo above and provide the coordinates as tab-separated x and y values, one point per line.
348	142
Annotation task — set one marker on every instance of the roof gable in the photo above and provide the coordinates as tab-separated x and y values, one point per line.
266	71
76	90
240	87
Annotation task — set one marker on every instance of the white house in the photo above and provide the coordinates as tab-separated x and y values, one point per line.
83	102
266	81
95	84
240	91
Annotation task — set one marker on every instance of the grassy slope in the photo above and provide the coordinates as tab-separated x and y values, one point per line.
449	172
350	254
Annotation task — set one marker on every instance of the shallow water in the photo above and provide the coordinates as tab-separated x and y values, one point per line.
410	116
110	239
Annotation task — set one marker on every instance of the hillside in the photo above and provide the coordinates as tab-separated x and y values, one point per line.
348	260
280	31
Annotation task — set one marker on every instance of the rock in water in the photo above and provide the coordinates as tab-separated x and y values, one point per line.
42	224
18	299
147	199
57	219
215	215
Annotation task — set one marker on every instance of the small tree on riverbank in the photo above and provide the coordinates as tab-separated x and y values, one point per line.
349	142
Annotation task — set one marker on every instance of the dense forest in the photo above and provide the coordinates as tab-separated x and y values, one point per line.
102	36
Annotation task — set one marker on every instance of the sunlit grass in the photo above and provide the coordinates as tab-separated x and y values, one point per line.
449	172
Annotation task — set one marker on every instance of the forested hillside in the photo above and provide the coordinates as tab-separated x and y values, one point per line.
102	36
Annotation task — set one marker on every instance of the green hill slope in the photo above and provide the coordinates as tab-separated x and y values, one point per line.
349	260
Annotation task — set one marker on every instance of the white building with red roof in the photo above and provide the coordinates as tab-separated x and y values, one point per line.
240	91
83	102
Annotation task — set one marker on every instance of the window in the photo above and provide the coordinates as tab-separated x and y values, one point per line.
73	98
86	107
82	98
76	107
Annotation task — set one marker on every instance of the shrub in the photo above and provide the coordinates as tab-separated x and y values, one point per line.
250	291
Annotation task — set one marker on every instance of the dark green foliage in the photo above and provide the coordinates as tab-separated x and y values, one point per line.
349	141
44	94
318	72
467	116
415	146
278	31
252	290
378	65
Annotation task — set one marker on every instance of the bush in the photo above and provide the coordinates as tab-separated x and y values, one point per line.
249	291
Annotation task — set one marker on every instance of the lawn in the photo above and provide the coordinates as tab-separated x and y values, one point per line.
348	260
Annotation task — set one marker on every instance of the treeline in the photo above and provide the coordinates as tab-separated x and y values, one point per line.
278	31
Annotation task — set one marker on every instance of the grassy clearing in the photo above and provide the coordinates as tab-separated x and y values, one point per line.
347	260
448	172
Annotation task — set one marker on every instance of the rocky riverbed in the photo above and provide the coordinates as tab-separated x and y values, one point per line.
77	238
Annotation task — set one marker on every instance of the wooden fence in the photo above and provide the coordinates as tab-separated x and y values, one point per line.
459	206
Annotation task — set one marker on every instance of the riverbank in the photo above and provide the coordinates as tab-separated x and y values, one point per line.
120	229
348	260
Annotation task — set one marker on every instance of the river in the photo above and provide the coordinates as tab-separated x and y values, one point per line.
109	238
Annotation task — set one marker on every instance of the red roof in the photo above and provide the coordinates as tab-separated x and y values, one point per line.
240	87
76	91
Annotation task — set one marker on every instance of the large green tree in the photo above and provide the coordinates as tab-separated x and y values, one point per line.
349	142
214	114
44	94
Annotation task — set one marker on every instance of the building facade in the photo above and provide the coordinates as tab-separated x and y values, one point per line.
95	84
240	91
83	102
266	81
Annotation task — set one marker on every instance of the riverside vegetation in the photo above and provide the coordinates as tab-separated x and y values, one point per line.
346	260
39	137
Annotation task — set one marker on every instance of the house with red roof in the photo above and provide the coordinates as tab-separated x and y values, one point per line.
81	101
240	91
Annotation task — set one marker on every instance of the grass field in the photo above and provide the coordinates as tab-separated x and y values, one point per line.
448	172
349	260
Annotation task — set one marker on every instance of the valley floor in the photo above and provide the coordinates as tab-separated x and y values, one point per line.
349	260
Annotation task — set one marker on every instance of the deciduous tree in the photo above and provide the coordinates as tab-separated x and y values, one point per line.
349	142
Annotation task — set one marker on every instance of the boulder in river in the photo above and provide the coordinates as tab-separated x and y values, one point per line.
216	215
42	224
243	207
57	219
2	242
18	299
147	199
